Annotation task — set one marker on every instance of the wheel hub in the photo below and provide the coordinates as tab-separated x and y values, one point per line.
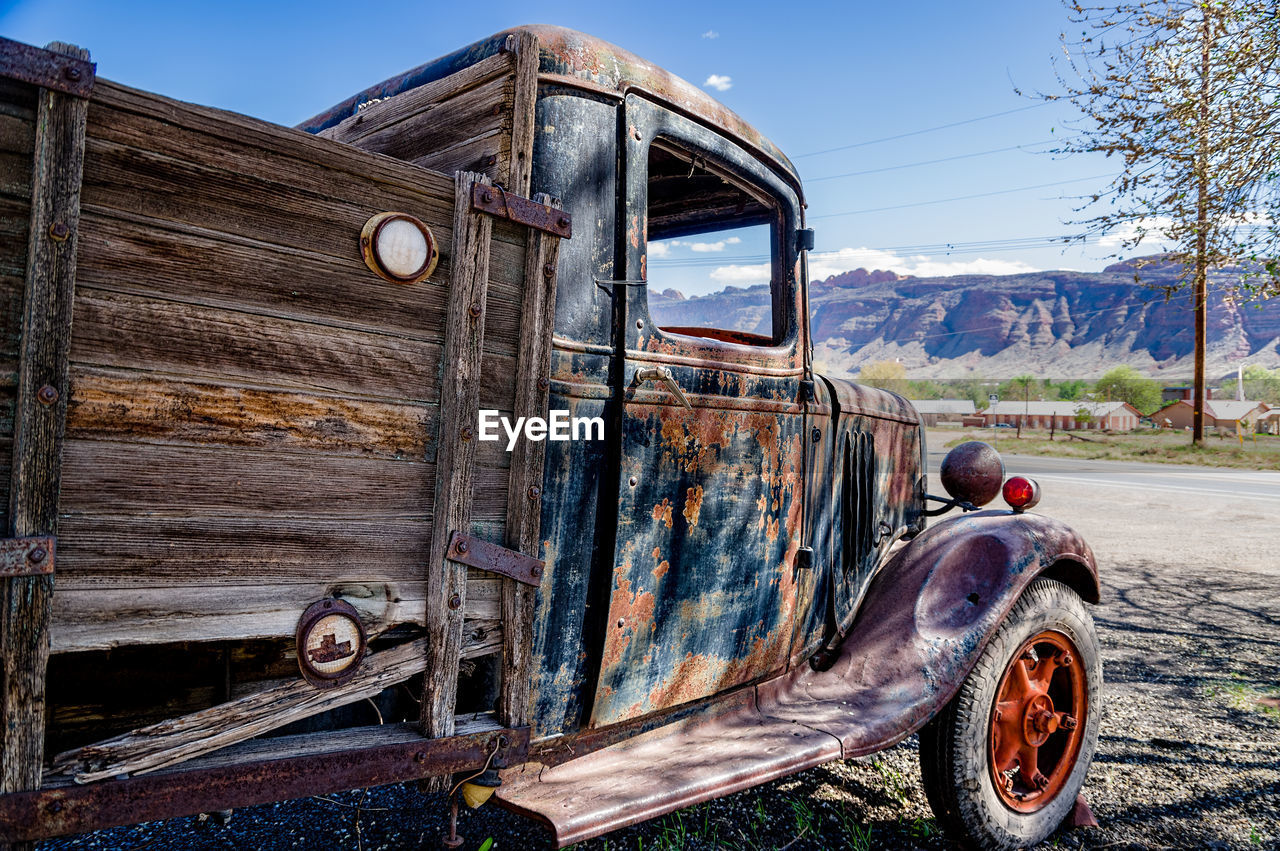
1035	730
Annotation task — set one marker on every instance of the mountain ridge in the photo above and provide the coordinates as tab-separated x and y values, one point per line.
1057	323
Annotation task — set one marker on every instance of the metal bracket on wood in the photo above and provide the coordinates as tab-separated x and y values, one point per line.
70	75
26	556
475	552
497	201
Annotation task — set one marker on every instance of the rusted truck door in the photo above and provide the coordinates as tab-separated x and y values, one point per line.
709	504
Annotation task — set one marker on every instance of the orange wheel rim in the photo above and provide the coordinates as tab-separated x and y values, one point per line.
1037	722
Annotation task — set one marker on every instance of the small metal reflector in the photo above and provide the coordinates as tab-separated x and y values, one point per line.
331	642
1021	493
399	247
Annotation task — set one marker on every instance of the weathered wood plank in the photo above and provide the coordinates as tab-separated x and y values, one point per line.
128	253
58	160
177	740
95	618
156	335
523	100
462	122
269	151
524	502
132	478
443	135
459	399
15	224
407	105
120	405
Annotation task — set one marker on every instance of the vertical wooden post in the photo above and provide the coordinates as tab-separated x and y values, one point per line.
523	100
455	456
524	491
39	422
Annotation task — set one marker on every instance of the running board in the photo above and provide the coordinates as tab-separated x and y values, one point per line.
666	769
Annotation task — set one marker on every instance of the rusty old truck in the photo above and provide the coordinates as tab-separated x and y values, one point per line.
262	545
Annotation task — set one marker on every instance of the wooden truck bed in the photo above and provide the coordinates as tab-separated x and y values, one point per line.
246	418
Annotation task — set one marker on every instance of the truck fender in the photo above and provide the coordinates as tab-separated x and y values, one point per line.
926	618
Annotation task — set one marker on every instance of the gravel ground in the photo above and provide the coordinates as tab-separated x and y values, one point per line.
1189	755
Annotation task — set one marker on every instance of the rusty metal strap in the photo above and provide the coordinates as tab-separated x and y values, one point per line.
46	69
475	552
26	556
507	205
57	811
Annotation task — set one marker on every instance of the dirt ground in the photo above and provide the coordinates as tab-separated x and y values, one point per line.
1189	755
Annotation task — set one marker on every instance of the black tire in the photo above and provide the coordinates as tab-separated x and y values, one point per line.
956	747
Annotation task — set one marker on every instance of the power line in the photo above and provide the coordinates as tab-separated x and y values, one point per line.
960	197
925	162
919	132
986	246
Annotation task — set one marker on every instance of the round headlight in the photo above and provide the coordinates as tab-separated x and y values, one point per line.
399	247
972	472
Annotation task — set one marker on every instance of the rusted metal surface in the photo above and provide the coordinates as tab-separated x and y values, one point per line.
857	518
496	201
329	662
75	809
713	754
972	472
924	622
477	552
46	69
32	556
1038	722
701	592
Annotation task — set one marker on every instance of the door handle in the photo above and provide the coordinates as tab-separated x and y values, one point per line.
661	373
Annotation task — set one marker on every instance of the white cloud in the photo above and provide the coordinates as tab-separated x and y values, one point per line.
827	263
741	275
711	34
1154	227
705	247
659	249
719	82
733	240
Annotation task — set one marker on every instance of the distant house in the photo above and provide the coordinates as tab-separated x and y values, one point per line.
1269	423
1219	413
934	411
1111	416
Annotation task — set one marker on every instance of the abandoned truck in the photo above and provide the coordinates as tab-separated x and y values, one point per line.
262	545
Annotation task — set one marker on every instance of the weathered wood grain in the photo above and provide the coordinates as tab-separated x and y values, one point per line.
524	98
121	405
15	223
97	618
180	739
57	162
459	398
524	491
407	105
462	122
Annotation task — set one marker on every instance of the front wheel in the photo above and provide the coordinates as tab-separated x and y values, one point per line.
1004	760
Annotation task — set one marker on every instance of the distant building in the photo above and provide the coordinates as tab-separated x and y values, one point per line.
1218	413
1110	416
1173	394
1269	423
934	411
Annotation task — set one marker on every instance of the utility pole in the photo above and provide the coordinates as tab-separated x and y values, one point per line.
1199	289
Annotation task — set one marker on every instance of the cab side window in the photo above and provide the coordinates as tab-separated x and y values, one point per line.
711	259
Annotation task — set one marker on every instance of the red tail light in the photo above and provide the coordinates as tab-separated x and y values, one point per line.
1021	493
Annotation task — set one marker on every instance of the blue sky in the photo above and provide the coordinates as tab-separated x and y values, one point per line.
811	76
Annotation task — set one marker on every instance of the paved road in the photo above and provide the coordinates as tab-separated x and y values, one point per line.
1169	517
1170	479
